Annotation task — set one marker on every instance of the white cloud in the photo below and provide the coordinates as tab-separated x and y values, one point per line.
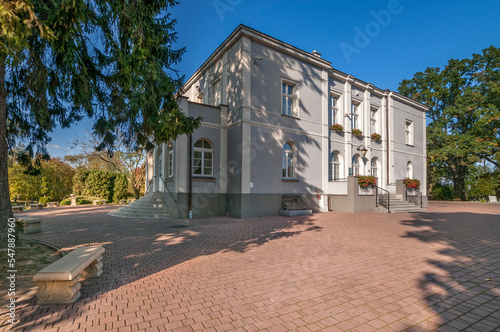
55	146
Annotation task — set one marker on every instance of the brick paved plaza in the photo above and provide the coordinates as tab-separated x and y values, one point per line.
438	270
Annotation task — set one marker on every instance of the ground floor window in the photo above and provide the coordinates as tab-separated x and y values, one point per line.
203	155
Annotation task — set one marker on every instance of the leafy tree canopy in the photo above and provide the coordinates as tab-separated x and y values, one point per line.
464	101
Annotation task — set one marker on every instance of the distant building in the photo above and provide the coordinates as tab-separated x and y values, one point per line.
268	109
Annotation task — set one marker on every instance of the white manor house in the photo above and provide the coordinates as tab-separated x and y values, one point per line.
270	138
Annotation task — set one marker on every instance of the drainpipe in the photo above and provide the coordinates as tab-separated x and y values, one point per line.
387	135
190	177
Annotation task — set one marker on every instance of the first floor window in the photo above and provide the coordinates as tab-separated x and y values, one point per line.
216	91
374	170
203	158
355	165
288	164
409	170
334	167
170	160
288	99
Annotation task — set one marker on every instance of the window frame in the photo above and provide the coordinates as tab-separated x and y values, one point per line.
355	116
170	160
409	132
285	158
335	166
216	99
374	167
203	152
374	114
333	110
293	96
357	167
409	170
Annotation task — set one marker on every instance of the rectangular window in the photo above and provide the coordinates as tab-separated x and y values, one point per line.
333	114
409	132
288	102
355	116
170	161
374	121
216	91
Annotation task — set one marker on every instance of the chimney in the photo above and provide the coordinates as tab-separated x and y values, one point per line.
316	53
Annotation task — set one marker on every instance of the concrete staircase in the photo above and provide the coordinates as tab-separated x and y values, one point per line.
397	205
152	205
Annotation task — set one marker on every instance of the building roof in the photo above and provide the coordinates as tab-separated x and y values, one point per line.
262	38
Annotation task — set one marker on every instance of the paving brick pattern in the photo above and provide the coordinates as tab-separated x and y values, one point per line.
438	270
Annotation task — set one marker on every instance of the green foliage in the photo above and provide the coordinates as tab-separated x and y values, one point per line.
58	181
482	182
442	192
83	201
120	189
367	181
100	184
44	200
464	113
65	201
79	181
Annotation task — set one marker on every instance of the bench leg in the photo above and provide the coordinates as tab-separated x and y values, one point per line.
58	292
94	269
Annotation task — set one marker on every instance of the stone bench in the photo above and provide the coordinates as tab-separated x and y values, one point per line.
59	283
52	204
124	201
18	208
38	206
29	225
97	201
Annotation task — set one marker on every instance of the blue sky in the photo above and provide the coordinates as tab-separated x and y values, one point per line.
381	42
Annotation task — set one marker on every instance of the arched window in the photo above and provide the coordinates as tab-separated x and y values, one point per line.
355	165
374	167
409	170
203	156
334	166
170	160
288	161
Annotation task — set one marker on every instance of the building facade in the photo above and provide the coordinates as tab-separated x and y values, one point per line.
268	111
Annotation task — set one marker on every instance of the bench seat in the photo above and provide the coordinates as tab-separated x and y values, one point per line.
52	204
97	201
17	208
59	283
38	206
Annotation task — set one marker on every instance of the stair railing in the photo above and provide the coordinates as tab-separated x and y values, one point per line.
165	185
418	195
149	184
377	188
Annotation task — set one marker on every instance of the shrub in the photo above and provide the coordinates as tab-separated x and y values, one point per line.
367	181
83	201
100	184
66	201
357	132
442	192
376	136
44	200
412	183
120	188
337	127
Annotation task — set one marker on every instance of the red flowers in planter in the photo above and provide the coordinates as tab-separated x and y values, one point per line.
367	181
357	132
376	136
337	127
412	183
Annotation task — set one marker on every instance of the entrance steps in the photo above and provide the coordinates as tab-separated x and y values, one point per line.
397	205
152	205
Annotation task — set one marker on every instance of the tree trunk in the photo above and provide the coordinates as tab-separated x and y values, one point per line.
137	192
459	182
5	207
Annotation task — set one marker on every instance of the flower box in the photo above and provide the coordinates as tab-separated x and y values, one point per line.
376	136
337	127
411	183
357	132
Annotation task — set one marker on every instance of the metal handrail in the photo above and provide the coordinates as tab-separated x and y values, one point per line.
388	198
149	184
165	185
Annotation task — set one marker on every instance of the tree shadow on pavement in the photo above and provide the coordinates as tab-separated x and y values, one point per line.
138	248
463	285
